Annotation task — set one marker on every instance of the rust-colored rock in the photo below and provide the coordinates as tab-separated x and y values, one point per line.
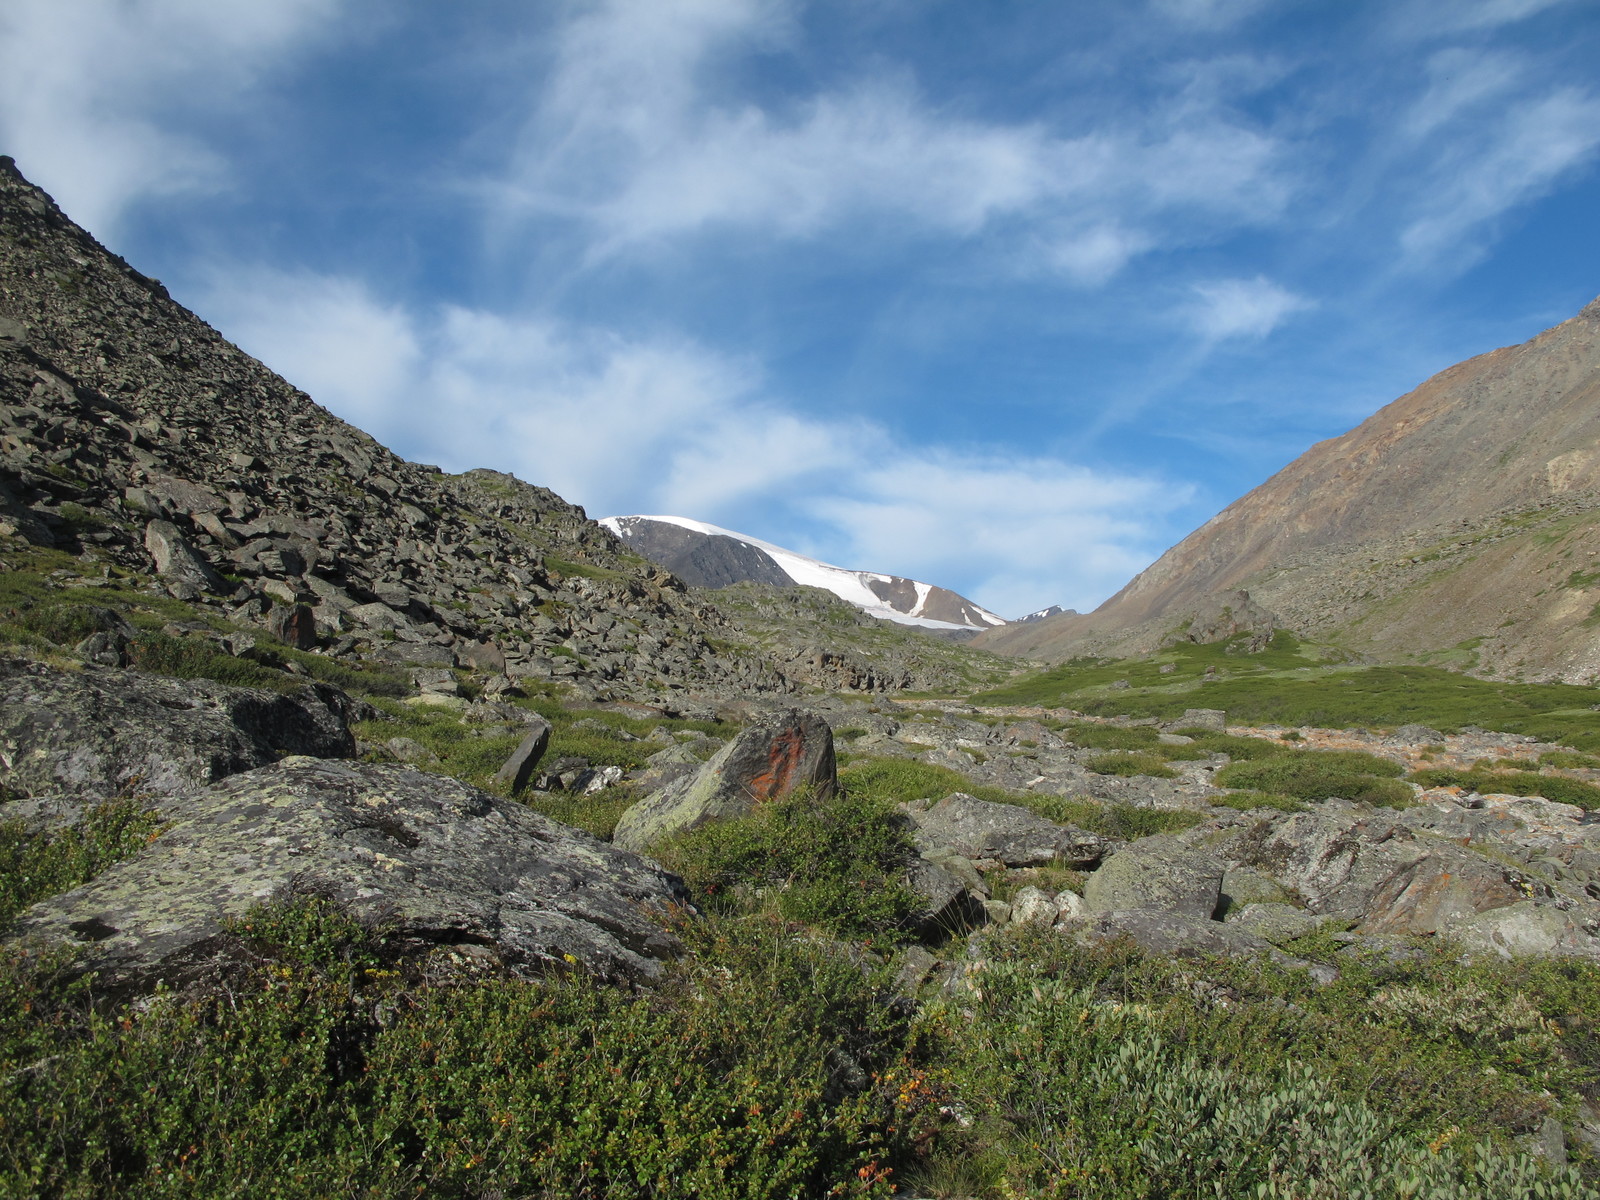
773	758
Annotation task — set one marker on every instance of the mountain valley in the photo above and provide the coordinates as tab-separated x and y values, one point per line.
370	830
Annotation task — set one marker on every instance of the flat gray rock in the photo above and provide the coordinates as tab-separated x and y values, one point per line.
108	732
1009	833
441	862
1169	933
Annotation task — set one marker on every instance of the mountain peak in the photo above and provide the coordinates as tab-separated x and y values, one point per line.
707	555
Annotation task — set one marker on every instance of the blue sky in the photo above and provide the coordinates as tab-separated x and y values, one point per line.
1008	296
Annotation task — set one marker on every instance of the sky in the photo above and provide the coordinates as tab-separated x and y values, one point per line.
1005	296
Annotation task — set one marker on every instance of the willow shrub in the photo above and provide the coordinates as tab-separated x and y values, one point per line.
1123	1101
837	864
1321	775
747	1072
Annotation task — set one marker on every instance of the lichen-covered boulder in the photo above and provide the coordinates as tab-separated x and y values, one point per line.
1157	874
437	861
772	758
1007	833
108	732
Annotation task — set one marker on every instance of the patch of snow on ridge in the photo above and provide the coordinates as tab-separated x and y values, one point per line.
850	586
924	590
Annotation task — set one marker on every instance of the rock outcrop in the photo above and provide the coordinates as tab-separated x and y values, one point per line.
102	733
434	861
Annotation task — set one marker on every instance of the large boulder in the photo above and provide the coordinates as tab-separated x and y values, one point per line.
1008	833
109	732
436	860
1157	874
1387	871
772	758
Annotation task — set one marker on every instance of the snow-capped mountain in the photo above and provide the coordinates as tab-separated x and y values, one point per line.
1055	610
709	556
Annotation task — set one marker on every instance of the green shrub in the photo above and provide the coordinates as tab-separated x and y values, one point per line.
897	780
1127	763
1112	737
1138	1084
196	658
1126	821
1321	775
1512	783
1568	759
597	813
746	1073
36	865
836	864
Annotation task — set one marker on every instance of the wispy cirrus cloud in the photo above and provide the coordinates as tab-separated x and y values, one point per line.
1240	308
1495	163
92	97
642	144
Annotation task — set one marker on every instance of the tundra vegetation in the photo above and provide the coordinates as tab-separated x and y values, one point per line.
779	1057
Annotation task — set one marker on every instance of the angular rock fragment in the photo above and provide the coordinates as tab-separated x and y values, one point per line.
187	574
1157	874
519	768
1007	832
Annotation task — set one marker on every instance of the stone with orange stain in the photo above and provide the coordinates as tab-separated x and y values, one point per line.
773	758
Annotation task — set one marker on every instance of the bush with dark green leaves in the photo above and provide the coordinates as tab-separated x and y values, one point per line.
837	864
35	864
326	1072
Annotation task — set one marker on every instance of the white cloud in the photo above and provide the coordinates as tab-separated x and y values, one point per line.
1240	308
641	143
358	356
1510	160
1030	531
1210	14
88	93
1430	18
1460	81
665	425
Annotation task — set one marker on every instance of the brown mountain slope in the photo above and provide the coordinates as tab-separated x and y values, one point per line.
1464	512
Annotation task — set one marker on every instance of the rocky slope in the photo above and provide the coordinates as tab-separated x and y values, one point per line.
1458	524
135	439
714	557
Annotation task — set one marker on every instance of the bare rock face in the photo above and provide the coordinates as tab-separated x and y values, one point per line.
438	861
108	732
770	759
1226	616
1008	833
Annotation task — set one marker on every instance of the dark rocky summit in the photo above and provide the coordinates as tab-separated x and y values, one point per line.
133	434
